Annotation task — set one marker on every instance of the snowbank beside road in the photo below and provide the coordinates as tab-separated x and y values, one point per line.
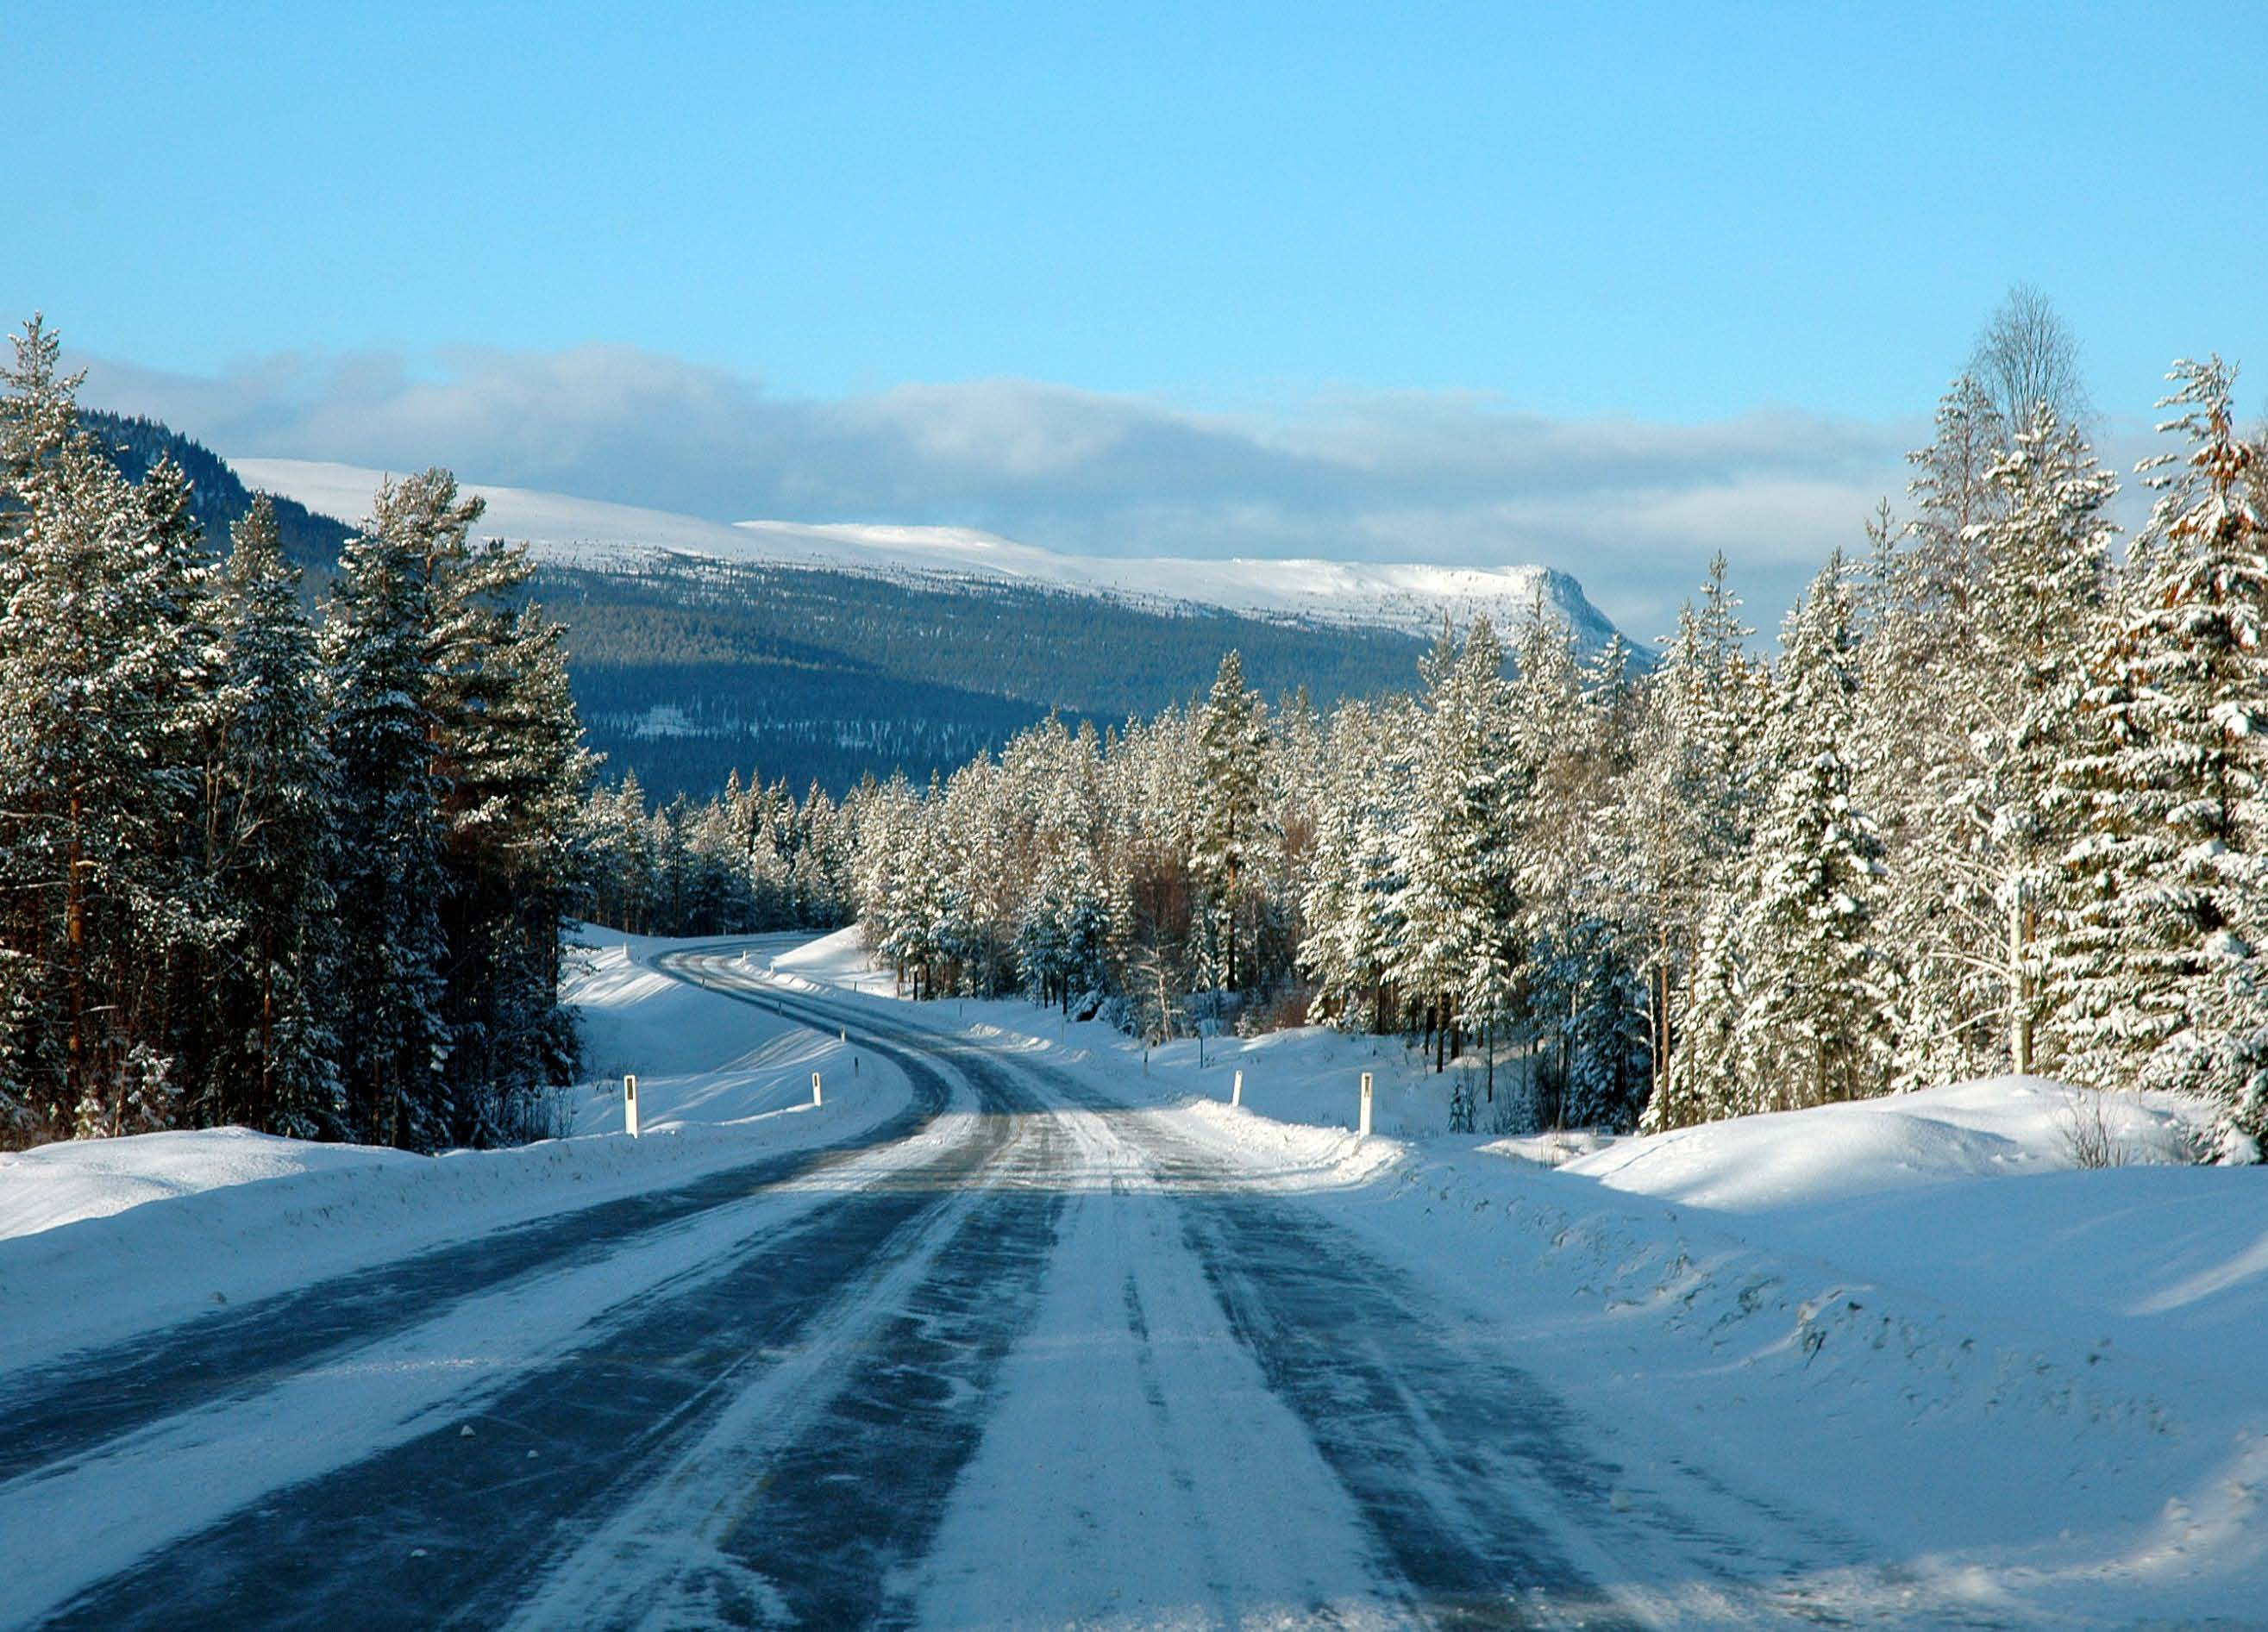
102	1238
61	1184
1999	1127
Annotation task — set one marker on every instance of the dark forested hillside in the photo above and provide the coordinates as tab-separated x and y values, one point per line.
218	497
689	668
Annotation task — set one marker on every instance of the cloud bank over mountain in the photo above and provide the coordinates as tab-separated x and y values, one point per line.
1633	509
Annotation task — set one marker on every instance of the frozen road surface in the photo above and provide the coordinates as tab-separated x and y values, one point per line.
1019	1356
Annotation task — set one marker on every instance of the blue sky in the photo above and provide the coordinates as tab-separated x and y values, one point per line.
1295	226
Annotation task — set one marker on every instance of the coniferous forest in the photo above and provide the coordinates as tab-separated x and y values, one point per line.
307	877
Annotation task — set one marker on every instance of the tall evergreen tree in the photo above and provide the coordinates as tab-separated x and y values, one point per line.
2160	958
1809	1027
2046	563
272	1065
1231	741
102	683
394	1041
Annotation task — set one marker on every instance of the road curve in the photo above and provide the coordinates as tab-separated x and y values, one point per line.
1038	1363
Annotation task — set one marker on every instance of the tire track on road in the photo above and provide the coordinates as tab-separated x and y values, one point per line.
452	1528
82	1401
456	1528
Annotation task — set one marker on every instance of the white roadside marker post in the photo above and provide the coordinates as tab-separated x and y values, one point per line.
1363	1131
1236	1090
630	1105
815	1095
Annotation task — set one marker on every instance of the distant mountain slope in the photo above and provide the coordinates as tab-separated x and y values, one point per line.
1409	597
687	668
220	498
697	649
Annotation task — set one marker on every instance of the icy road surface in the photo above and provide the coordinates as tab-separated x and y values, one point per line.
1021	1355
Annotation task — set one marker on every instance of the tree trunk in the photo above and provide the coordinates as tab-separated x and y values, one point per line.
2020	996
75	944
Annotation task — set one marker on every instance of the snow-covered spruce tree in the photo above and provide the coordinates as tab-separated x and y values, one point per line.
1695	789
1062	945
1704	1083
509	770
272	1064
2159	959
1489	778
1954	499
1350	880
618	838
721	892
820	877
979	933
888	827
1810	1028
1549	844
1601	945
516	870
1232	744
1157	907
1454	853
389	988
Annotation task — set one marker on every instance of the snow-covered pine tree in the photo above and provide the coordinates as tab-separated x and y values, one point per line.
1704	1082
1351	878
509	769
1491	780
978	931
1605	936
102	680
890	826
824	855
1922	667
2159	959
528	864
1549	845
389	987
1955	498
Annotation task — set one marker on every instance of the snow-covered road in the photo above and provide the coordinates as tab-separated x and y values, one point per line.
1018	1354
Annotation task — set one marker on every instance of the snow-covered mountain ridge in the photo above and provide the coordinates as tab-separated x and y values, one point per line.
1410	597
